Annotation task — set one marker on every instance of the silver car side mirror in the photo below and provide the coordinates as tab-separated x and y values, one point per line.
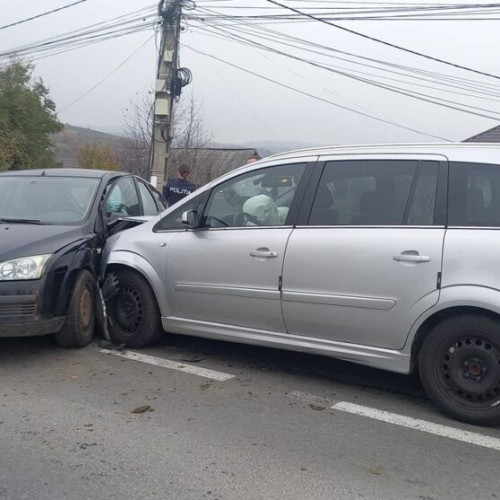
190	219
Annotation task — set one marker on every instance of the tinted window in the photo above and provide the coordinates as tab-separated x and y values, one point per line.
51	200
423	204
122	198
174	219
148	202
363	192
474	194
259	198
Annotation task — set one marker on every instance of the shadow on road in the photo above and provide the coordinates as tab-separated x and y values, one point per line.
295	363
25	350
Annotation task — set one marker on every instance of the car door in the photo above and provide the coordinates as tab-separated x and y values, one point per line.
229	270
471	256
149	204
122	199
366	259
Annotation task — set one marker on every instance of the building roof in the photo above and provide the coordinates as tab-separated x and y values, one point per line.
491	135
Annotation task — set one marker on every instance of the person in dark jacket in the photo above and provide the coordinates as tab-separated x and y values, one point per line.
177	189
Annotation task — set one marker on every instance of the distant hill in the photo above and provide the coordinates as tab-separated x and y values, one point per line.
71	138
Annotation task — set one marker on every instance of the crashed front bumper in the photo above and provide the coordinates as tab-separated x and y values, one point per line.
21	310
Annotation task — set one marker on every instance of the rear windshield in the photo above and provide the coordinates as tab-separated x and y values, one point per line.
50	200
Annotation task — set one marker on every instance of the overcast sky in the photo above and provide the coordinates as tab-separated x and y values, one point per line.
241	108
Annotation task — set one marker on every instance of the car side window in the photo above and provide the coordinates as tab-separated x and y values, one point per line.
173	221
160	200
474	194
363	192
259	198
122	198
423	204
148	202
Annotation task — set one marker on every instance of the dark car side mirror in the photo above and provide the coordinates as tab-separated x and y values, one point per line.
190	219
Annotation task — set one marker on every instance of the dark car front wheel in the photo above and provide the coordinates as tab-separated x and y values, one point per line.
134	317
78	328
460	368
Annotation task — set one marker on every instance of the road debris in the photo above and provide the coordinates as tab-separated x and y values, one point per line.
378	470
142	409
316	407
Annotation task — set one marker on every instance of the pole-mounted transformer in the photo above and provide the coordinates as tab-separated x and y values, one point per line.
170	79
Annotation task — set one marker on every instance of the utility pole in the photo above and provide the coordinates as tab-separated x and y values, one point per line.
165	89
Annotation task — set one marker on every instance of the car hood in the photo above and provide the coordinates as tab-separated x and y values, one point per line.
24	240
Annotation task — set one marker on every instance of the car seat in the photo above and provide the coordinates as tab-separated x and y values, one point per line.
474	206
369	209
323	213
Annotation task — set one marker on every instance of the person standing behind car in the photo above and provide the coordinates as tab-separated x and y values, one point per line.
178	188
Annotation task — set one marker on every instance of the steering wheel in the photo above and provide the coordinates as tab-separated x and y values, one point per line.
244	219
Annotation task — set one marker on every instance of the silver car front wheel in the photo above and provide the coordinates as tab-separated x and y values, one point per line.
134	317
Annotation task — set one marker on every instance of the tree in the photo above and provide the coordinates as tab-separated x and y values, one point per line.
8	146
134	156
27	119
190	136
97	157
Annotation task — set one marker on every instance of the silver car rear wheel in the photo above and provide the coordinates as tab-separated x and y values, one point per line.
460	368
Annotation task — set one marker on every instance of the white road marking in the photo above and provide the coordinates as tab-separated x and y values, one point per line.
420	425
171	365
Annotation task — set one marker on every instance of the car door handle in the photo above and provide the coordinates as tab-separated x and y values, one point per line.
263	253
411	258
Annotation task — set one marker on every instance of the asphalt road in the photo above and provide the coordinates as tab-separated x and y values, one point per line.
68	431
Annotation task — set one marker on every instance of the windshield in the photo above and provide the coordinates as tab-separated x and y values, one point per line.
49	200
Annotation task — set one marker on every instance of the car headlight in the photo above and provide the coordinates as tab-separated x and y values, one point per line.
25	268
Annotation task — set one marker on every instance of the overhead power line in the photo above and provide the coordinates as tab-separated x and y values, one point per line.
42	14
446	83
346	108
250	27
372	11
484	113
389	44
133	22
102	80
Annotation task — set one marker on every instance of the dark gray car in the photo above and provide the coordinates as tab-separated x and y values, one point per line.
53	226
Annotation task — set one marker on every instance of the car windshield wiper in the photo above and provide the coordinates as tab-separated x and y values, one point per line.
5	220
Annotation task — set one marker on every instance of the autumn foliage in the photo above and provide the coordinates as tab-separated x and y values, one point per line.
97	157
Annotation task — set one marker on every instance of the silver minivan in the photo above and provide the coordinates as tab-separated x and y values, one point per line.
387	256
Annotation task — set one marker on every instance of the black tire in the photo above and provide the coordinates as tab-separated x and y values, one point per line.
134	317
78	328
459	366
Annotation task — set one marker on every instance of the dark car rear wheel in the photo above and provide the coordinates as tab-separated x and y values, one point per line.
459	367
134	317
78	328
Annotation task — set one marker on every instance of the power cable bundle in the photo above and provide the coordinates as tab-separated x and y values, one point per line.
183	77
